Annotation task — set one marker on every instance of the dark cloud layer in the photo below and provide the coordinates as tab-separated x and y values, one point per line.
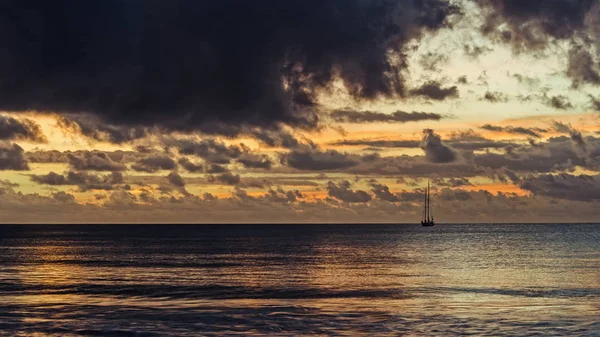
188	63
352	116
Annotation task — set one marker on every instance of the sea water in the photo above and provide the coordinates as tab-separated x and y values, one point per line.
292	280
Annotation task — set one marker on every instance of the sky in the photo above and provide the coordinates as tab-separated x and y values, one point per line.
327	111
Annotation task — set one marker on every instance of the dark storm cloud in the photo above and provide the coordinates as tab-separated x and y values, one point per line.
564	186
435	150
343	192
495	97
532	24
154	163
187	64
435	91
518	130
12	158
352	116
21	129
93	160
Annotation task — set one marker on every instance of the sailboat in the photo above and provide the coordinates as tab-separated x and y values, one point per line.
427	217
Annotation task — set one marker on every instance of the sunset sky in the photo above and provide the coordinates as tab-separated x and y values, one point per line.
299	111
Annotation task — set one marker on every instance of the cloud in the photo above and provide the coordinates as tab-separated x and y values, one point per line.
255	161
154	163
280	195
495	97
407	143
435	150
21	129
564	186
175	179
435	91
575	135
90	126
226	178
209	149
93	160
352	116
533	24
558	102
122	73
582	68
64	197
343	192
383	192
530	82
276	138
319	160
466	140
452	182
594	103
475	51
190	166
518	130
432	61
86	181
12	158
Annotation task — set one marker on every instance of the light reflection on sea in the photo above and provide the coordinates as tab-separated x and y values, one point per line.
285	280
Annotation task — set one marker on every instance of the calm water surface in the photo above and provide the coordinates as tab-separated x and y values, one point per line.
344	280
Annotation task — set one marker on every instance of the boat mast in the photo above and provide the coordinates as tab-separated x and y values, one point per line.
429	203
428	200
425	207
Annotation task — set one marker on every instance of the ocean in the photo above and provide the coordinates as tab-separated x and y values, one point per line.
295	280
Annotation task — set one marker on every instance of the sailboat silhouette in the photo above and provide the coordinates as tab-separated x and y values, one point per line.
427	217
